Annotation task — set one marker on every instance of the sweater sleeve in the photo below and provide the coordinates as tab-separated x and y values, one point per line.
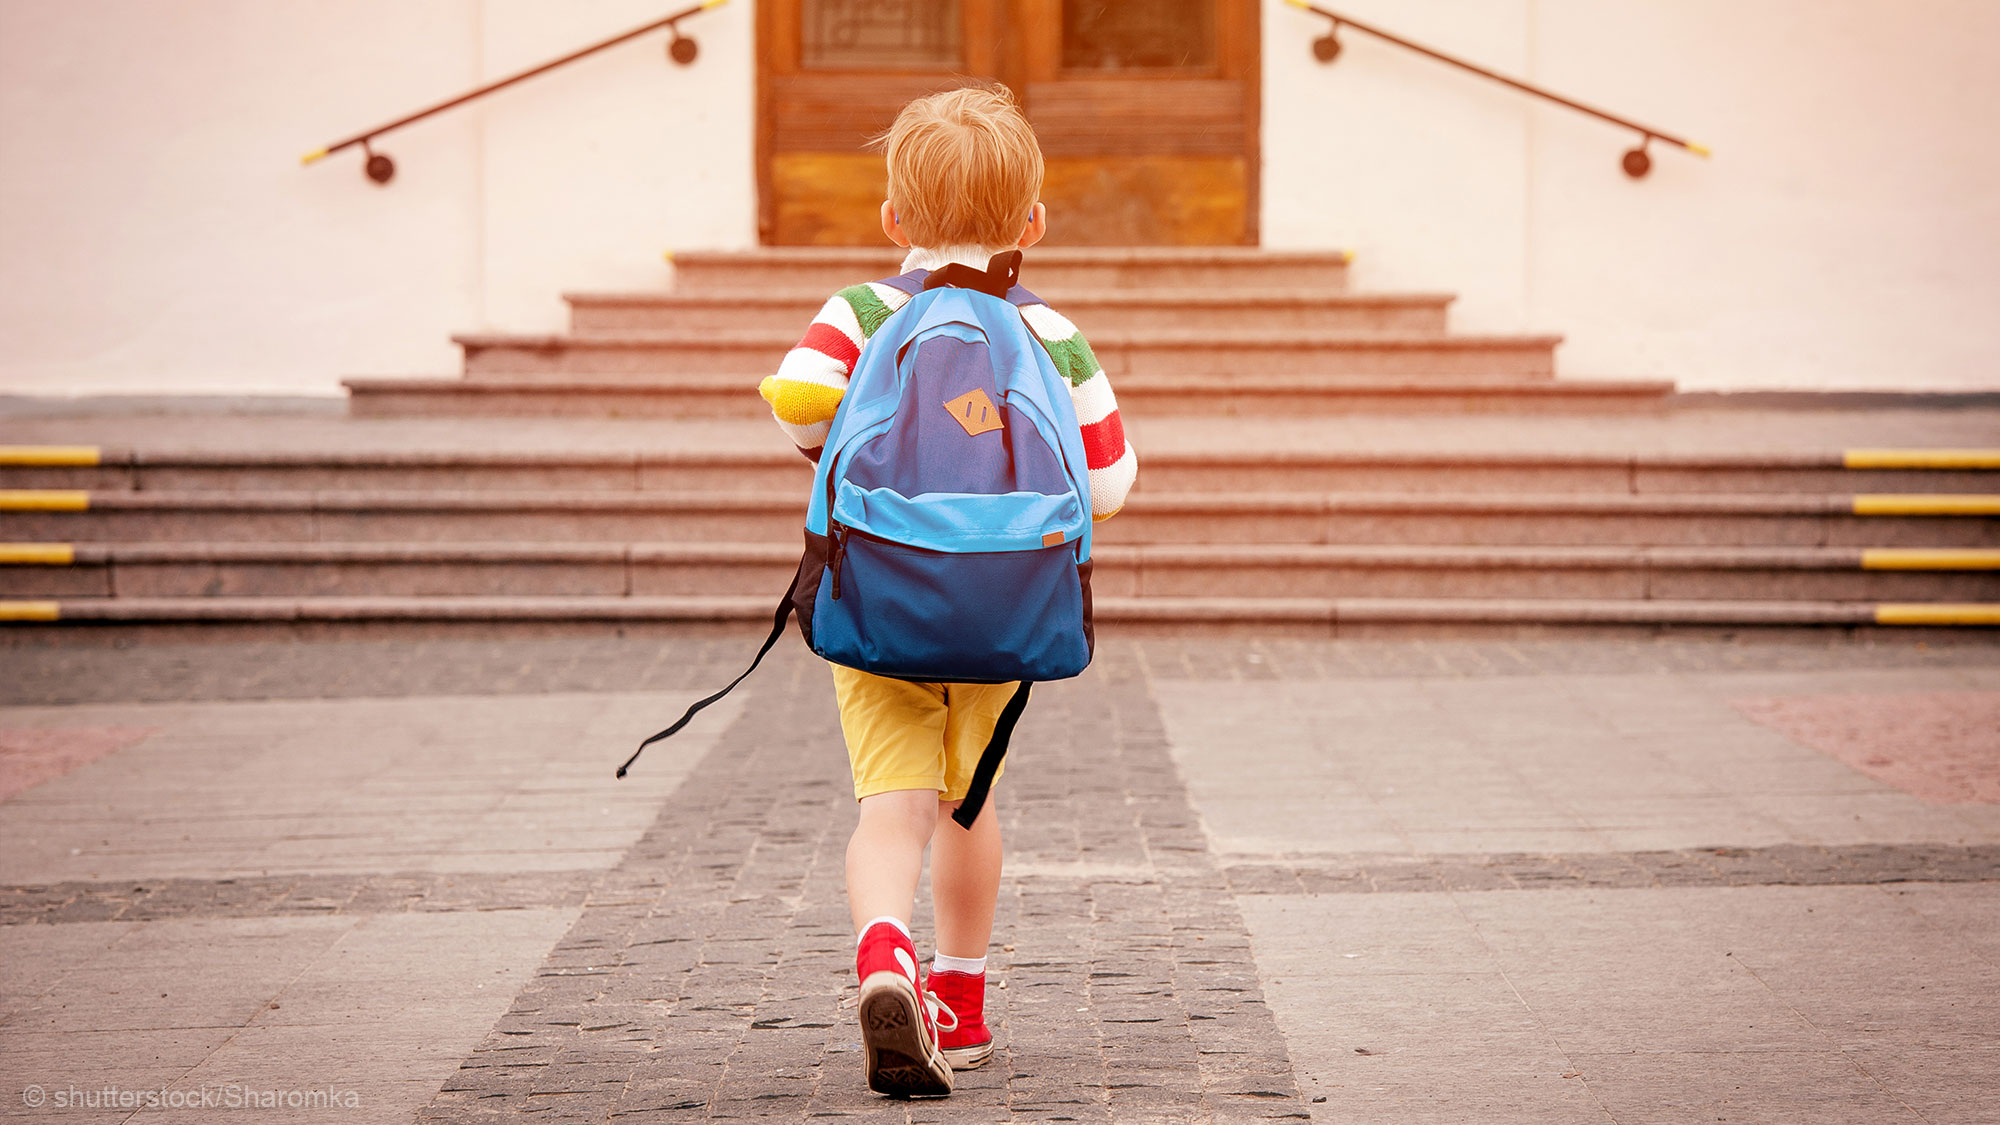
1113	464
805	392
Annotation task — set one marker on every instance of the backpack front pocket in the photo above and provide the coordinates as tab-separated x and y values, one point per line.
983	616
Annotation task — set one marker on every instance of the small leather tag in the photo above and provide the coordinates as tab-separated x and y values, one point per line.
1052	539
975	412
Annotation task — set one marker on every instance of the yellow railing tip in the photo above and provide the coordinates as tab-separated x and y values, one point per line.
1938	613
315	154
1700	150
30	611
44	456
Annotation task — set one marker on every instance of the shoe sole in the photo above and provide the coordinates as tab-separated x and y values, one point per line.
901	1060
967	1058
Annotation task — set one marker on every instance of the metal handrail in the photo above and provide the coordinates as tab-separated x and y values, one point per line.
1636	162
381	169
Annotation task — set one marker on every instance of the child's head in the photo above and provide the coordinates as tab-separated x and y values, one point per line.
964	170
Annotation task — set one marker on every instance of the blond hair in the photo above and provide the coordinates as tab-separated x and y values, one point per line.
964	169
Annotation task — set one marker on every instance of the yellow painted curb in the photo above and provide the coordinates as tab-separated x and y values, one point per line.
1922	458
1927	504
30	611
1939	613
37	554
43	455
1929	558
44	500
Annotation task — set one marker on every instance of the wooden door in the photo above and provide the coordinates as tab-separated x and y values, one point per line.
1147	110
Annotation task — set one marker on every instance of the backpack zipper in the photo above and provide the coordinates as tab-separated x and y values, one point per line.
838	534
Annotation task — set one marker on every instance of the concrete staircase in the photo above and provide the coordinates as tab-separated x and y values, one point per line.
1205	331
1236	530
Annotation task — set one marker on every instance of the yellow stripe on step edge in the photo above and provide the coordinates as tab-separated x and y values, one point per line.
1922	458
37	554
1929	558
30	611
1927	504
1938	613
44	500
44	455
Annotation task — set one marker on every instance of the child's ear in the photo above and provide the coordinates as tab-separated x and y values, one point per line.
891	227
1038	225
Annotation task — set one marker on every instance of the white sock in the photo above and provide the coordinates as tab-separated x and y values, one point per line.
874	922
943	964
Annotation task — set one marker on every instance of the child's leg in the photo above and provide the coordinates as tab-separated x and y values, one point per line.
885	856
965	879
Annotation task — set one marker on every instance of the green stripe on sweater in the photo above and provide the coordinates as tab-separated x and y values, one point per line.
1073	357
868	308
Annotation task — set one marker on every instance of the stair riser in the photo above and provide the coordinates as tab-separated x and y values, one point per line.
588	319
693	275
1111	579
1161	474
1135	401
1135	526
650	361
793	473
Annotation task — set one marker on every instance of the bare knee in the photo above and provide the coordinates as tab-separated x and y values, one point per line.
906	812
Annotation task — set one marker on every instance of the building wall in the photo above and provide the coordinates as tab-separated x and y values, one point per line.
1842	236
158	236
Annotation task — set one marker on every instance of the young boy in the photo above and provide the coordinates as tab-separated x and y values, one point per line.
965	174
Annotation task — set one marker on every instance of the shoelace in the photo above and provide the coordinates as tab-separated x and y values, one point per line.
938	1006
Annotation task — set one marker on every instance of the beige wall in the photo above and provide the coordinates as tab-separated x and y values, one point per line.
157	234
1844	235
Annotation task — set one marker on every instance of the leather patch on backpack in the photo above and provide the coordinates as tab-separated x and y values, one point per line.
974	411
1052	539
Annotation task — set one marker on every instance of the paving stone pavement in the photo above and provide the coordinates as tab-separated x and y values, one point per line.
1424	880
711	972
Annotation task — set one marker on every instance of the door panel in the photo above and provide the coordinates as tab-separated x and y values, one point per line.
1147	110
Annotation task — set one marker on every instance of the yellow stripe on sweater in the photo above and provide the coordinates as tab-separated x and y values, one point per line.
1938	613
30	611
37	554
44	500
1927	504
46	455
1922	459
1927	558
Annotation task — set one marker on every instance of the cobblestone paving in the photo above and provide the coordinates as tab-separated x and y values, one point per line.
85	665
278	895
711	973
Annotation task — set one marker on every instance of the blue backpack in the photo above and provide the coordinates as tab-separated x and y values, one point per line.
948	532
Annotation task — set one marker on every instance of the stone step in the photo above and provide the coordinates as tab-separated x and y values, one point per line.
773	466
1542	519
1107	311
185	570
828	268
1320	355
734	396
1114	615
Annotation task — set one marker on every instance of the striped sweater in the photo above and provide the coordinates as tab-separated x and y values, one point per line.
808	386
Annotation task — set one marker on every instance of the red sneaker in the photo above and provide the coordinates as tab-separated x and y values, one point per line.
969	1043
899	1037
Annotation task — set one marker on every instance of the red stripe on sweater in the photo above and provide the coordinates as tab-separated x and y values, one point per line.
1104	442
832	343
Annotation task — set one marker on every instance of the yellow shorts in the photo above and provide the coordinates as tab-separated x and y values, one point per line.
903	735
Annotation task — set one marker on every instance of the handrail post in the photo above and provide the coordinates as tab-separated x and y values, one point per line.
381	169
1636	161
